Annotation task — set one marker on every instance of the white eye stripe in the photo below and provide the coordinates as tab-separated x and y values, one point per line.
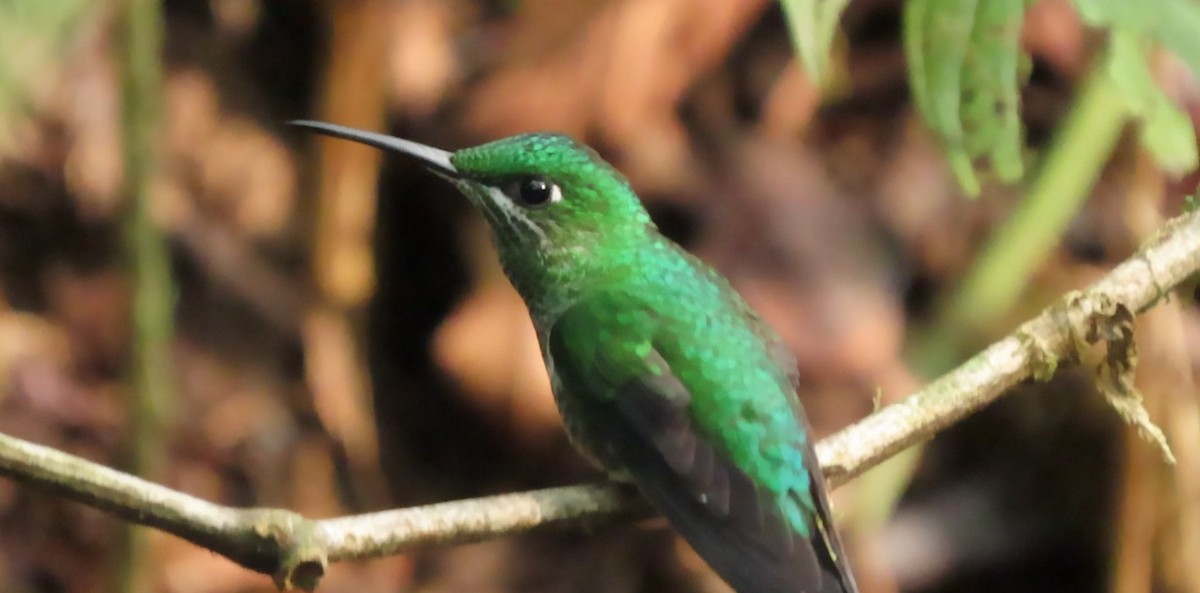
513	214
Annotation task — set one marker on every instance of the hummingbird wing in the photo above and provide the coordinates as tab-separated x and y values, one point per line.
786	360
636	414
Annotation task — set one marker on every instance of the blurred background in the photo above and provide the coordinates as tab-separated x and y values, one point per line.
194	292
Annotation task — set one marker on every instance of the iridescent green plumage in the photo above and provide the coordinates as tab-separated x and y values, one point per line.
662	372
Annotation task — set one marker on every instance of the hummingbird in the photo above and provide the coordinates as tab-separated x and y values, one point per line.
663	374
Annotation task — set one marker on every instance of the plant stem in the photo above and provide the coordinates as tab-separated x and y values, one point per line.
152	302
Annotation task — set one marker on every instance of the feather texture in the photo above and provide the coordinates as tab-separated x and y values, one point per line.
677	384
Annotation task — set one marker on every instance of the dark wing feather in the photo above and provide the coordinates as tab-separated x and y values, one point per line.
832	557
645	425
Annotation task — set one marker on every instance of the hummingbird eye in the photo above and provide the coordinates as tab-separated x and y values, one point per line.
535	192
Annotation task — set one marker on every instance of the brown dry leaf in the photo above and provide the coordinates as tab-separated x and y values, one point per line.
25	338
620	66
246	416
191	110
1053	31
223	164
790	106
187	568
548	88
393	573
342	254
314	480
88	102
93	307
475	568
488	345
352	95
233	262
337	378
173	204
1166	380
686	38
237	17
921	202
239	168
1112	323
248	175
422	61
1183	424
42	400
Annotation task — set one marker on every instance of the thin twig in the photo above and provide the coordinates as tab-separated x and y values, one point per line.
296	550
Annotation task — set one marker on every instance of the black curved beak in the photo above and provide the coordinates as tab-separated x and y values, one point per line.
435	158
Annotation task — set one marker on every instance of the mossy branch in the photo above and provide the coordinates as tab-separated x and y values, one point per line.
296	550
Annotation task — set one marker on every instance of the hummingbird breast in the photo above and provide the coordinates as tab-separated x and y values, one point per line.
740	394
588	438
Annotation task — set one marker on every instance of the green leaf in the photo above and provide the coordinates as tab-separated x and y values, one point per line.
813	25
965	70
1168	135
992	76
1166	130
915	45
1173	23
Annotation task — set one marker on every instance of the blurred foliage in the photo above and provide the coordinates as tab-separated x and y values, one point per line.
966	66
1172	24
33	38
813	25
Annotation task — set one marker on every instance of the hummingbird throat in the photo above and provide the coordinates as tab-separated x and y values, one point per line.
509	222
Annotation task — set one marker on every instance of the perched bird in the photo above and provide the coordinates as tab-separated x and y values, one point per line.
662	373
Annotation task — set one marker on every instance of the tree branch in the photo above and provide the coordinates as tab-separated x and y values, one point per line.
296	550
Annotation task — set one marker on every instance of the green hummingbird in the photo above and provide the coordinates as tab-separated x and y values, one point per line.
662	373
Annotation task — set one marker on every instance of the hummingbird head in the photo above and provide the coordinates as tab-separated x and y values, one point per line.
558	212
